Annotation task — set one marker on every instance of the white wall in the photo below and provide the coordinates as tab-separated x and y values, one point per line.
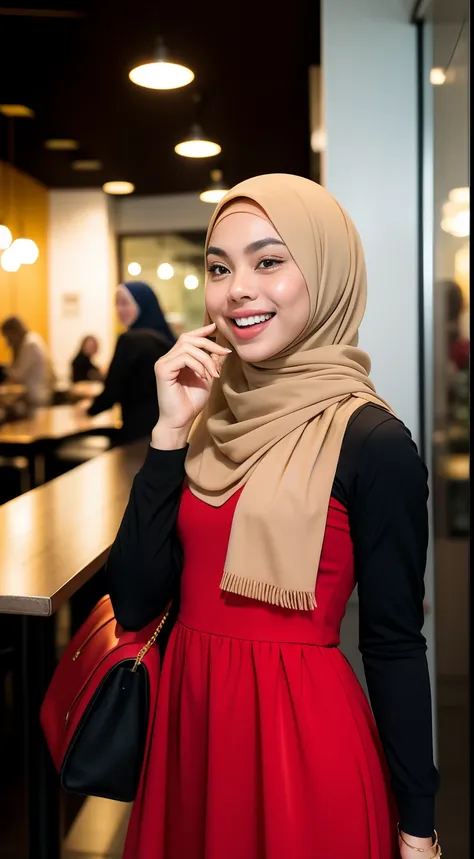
369	63
370	102
82	264
162	214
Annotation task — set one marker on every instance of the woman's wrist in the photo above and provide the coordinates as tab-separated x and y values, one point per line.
169	438
423	847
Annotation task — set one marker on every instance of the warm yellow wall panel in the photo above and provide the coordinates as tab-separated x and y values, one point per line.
24	207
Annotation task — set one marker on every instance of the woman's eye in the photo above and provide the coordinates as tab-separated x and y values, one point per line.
218	269
269	263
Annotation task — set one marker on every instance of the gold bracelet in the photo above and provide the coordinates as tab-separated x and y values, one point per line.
423	849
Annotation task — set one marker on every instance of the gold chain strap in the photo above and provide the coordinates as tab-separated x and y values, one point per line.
435	846
150	643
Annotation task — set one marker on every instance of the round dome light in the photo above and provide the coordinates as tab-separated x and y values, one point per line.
118	188
191	281
134	269
165	271
26	251
9	260
437	77
6	237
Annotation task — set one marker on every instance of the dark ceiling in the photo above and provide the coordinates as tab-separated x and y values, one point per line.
251	64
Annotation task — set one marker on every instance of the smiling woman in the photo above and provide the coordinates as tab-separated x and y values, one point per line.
255	292
297	483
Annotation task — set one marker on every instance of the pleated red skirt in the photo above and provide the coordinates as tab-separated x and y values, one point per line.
264	745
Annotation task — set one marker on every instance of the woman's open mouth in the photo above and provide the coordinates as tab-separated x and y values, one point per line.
247	327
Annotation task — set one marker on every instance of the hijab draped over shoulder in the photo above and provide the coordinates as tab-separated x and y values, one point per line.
276	428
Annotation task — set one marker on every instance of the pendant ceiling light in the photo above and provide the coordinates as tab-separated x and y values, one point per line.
196	144
216	190
161	72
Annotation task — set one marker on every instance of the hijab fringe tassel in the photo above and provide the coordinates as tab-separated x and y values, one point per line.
269	593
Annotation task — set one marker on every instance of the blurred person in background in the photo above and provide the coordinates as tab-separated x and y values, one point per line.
31	365
130	380
83	368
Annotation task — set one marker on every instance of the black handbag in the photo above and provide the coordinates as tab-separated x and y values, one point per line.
96	712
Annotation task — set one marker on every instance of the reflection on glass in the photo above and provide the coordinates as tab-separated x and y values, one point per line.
173	264
447	49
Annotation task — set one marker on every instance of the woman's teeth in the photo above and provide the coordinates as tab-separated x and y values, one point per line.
252	320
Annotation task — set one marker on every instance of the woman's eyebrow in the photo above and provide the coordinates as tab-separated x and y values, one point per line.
250	249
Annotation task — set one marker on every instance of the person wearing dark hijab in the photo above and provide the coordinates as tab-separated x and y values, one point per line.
150	314
130	380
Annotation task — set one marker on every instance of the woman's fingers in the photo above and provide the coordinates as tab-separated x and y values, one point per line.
203	358
204	343
196	366
179	358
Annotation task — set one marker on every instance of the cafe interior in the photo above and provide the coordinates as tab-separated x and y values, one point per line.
121	127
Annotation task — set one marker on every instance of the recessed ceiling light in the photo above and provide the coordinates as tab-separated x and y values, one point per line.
15	111
118	188
86	164
61	144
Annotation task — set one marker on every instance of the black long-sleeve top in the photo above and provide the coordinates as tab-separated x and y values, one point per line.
131	382
382	482
83	369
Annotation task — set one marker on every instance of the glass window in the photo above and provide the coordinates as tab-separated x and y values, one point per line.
446	131
173	264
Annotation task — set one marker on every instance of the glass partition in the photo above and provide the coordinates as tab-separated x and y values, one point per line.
173	264
444	97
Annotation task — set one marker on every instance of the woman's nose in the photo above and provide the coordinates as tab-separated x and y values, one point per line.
242	286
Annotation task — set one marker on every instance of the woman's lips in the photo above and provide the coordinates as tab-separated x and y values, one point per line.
248	332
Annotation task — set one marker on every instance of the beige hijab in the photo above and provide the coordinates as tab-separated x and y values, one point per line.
276	428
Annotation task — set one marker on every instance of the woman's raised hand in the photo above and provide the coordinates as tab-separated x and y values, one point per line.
184	378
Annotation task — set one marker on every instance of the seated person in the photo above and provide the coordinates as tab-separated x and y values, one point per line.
31	364
82	367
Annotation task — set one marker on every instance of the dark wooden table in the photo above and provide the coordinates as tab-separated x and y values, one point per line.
35	436
52	541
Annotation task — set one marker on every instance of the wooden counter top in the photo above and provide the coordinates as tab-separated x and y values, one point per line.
56	423
54	538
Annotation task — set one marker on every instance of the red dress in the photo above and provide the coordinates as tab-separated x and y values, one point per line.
264	745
